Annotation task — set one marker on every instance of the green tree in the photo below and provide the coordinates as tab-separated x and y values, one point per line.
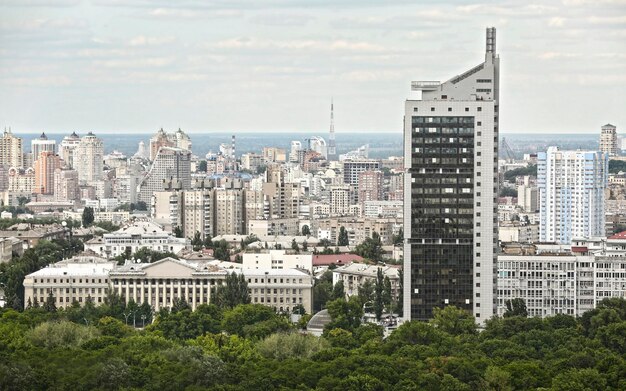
50	304
371	248
343	240
221	250
399	238
345	314
338	290
453	320
322	290
178	232
233	292
251	320
586	379
88	216
294	246
306	231
515	307
202	166
282	346
366	292
379	300
197	242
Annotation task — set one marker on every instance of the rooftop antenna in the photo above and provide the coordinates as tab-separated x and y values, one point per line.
332	150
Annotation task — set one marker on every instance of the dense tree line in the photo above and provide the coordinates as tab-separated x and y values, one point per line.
531	170
251	347
615	166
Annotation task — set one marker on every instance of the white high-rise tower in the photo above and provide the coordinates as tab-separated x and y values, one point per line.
571	194
89	158
451	185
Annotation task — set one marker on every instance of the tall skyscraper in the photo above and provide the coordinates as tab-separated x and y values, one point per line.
332	148
41	144
88	158
170	164
45	166
450	157
571	194
68	147
11	152
608	140
65	185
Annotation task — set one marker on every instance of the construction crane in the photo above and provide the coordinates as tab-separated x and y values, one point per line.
504	146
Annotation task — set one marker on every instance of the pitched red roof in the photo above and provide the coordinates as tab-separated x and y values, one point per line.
337	259
621	235
579	249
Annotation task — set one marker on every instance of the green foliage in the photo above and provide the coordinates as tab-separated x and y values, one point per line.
221	249
371	248
107	225
281	346
253	320
322	291
88	216
61	334
186	324
345	314
507	192
615	166
342	239
453	320
516	307
145	255
249	347
306	231
45	252
196	242
531	170
294	246
233	292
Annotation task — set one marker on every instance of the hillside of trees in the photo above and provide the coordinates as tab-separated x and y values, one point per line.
249	347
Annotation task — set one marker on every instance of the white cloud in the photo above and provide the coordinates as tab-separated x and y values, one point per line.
155	62
608	20
556	21
186	13
38	81
558	55
142	40
507	10
318	45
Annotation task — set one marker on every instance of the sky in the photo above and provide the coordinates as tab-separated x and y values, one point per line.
130	66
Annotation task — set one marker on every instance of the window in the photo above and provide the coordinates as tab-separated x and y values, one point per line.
479	123
415	109
432	109
479	109
449	108
467	109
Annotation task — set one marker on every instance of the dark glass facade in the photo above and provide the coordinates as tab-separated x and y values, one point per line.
442	213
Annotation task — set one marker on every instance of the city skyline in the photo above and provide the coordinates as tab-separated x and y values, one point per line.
274	66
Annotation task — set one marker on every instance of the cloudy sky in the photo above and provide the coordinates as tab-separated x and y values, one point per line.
255	65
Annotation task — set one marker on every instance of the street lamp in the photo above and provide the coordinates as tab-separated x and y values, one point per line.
126	315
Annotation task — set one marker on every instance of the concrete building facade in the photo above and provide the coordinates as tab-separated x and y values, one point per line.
450	192
571	194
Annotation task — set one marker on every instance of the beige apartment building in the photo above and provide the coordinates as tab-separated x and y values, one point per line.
358	229
83	277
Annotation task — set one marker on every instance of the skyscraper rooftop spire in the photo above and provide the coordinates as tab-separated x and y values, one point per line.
491	40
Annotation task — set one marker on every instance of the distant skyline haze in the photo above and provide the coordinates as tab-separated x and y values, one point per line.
135	66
